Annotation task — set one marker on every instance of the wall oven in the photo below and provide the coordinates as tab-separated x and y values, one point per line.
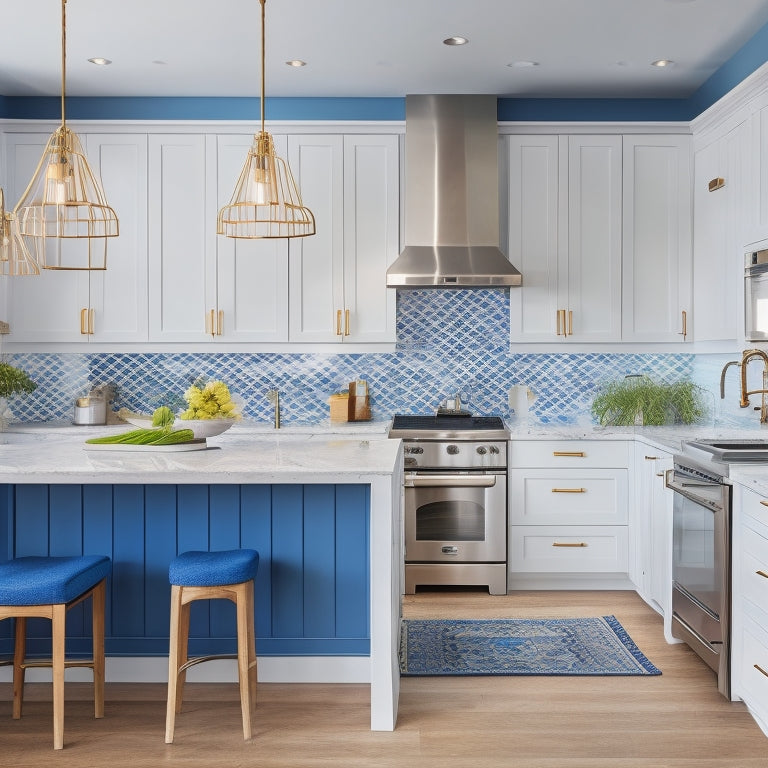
455	511
701	561
756	295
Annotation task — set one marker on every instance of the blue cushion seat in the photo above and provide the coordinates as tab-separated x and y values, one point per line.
213	569
50	580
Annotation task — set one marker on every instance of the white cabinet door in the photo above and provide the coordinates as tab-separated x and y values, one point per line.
718	227
251	298
45	307
118	296
656	257
661	535
534	182
565	237
179	228
316	263
594	239
371	235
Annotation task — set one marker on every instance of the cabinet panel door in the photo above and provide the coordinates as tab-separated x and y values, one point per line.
315	263
251	275
44	307
533	174
371	235
594	237
118	296
657	238
178	227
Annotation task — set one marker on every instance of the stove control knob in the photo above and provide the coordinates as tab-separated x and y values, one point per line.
493	448
452	449
482	450
413	449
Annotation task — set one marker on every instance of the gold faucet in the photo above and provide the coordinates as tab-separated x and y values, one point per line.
273	396
748	355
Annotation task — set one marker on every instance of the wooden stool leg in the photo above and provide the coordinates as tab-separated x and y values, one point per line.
174	652
19	653
58	633
99	600
183	656
246	653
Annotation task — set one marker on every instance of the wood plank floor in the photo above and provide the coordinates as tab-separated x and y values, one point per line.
676	720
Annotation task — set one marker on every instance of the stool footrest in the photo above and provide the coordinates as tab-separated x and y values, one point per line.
200	659
42	663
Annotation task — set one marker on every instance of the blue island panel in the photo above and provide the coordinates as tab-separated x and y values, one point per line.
312	586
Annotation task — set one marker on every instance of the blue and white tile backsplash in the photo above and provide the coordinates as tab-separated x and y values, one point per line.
448	340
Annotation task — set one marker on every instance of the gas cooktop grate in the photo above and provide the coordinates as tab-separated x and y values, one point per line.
446	423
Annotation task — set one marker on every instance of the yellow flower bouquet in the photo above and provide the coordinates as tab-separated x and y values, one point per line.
209	401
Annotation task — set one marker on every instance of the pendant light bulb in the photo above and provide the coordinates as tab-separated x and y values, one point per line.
64	212
266	202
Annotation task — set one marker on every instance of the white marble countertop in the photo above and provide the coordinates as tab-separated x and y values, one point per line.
248	453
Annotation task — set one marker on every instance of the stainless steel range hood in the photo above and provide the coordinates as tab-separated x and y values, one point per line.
451	196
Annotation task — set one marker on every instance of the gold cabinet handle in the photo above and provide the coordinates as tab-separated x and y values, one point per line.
346	322
762	573
220	324
651	458
569	543
764	503
91	321
84	321
684	332
569	490
569	332
576	454
760	669
338	322
209	323
561	330
659	474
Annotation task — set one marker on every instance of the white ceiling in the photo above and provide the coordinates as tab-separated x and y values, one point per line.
381	48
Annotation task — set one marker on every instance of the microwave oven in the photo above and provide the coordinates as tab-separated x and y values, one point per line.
756	295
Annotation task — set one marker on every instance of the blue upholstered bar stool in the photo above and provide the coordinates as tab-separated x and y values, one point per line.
48	587
194	576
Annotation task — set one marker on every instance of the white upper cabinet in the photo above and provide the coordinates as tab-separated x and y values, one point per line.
80	306
337	277
656	253
565	237
719	219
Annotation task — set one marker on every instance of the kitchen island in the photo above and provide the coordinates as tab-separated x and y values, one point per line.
322	509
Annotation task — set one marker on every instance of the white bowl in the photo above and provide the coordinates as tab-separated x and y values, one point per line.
204	427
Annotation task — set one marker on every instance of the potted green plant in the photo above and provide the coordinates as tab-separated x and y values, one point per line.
13	381
641	401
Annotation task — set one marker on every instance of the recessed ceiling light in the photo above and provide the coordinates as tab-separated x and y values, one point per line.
455	40
662	63
99	61
296	63
523	64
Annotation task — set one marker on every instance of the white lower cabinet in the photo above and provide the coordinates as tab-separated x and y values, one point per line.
651	522
749	630
568	513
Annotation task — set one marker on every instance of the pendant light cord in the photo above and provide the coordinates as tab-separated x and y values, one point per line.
263	79
63	59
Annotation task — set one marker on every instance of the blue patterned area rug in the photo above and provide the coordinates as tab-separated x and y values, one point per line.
591	646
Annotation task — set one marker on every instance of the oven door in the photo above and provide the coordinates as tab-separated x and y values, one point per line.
456	517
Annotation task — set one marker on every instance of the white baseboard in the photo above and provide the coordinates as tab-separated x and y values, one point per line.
272	669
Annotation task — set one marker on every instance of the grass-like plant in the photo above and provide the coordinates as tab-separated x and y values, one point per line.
14	381
640	400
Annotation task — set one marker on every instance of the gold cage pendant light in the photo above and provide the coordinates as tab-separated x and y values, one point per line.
64	211
266	202
15	258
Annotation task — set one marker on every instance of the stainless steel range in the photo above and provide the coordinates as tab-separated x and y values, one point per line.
455	500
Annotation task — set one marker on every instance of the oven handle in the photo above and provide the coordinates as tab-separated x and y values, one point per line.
453	481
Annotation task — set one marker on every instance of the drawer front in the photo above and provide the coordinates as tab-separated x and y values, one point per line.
753	671
570	454
568	496
568	549
754	569
755	509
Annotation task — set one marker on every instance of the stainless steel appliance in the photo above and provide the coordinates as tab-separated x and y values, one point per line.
701	560
455	489
756	295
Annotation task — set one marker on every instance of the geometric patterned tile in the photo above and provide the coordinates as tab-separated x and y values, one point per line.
448	341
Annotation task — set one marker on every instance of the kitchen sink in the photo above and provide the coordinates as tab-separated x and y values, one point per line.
730	450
